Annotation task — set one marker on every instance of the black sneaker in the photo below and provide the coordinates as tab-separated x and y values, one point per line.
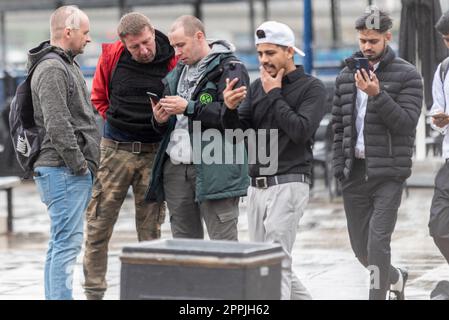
441	291
399	295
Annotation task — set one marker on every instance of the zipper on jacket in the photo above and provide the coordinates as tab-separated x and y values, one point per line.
364	140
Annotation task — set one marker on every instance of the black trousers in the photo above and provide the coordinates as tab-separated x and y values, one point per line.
371	208
439	211
443	245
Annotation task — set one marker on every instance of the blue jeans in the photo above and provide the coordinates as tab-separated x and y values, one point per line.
66	197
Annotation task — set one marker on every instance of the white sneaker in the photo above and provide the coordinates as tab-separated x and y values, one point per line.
397	290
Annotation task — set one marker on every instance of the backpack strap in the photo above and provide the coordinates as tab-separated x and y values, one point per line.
53	55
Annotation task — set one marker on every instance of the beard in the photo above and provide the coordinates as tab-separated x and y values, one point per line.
74	51
372	56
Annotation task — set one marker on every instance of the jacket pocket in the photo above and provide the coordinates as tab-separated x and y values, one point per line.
43	186
390	146
227	209
92	208
226	216
162	212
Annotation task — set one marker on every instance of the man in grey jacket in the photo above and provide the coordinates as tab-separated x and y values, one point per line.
375	113
69	155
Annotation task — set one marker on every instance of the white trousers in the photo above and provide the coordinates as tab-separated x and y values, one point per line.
273	216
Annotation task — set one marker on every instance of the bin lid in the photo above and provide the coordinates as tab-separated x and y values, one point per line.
197	247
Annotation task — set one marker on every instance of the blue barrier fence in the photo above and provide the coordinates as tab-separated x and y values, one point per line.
327	64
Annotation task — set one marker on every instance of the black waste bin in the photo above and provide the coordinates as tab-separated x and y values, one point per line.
201	269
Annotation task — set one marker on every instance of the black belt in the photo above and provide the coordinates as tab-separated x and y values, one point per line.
134	147
265	182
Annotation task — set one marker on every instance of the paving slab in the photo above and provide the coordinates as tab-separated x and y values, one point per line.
322	256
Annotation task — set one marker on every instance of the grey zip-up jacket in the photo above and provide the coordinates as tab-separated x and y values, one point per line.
70	133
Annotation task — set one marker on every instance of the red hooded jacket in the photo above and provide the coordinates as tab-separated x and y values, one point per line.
107	63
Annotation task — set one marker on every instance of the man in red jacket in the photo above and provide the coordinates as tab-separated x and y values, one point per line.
126	71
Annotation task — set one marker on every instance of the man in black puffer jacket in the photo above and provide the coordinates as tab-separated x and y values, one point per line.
374	123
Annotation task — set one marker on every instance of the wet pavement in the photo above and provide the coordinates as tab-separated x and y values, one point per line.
322	255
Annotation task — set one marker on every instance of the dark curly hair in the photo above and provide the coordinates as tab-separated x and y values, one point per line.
442	25
366	20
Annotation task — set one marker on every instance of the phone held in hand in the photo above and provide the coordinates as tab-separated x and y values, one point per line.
235	70
362	63
153	96
440	115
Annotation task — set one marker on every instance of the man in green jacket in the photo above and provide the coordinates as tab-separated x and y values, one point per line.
198	182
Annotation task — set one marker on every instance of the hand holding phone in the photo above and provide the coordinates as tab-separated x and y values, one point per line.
153	96
439	119
159	114
440	115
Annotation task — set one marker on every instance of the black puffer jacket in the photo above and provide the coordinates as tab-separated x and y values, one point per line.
390	121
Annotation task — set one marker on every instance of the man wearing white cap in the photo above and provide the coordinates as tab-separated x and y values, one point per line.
291	102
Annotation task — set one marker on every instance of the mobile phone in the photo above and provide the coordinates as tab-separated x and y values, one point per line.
362	63
235	70
154	97
437	115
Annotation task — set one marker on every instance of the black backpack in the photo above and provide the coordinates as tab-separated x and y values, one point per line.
441	291
26	137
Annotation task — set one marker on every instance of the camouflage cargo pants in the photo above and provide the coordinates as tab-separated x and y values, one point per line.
119	169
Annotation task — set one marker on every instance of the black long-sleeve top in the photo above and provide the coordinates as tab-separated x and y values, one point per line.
295	110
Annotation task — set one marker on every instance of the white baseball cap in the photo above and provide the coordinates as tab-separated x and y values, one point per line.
276	33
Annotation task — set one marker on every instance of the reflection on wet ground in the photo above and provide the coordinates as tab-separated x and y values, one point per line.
322	255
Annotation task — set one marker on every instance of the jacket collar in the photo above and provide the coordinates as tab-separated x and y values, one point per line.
294	75
173	77
35	54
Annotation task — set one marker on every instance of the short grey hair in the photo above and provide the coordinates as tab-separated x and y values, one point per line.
133	23
191	25
65	17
